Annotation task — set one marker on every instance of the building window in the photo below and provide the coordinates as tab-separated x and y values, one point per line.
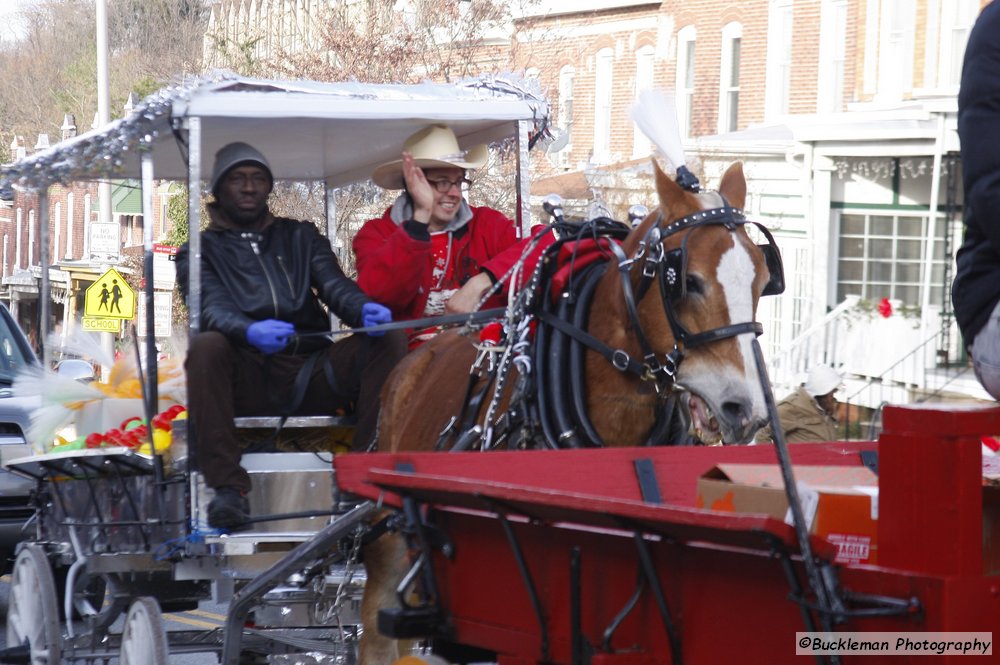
957	19
567	77
602	105
130	230
31	238
18	232
686	39
641	146
882	256
729	78
779	58
70	210
895	49
833	56
57	228
161	229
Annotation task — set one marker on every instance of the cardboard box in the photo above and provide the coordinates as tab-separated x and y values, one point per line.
840	503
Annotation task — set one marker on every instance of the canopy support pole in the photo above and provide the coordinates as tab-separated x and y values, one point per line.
152	399
44	305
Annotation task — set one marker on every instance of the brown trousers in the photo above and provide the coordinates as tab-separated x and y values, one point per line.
226	381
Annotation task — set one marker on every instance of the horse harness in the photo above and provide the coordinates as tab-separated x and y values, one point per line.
553	399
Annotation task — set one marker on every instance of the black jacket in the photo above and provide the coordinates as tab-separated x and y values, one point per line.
976	289
280	273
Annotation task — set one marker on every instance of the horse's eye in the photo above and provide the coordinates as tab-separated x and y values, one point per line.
694	286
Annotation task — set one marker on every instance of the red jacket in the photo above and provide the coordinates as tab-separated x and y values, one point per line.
394	260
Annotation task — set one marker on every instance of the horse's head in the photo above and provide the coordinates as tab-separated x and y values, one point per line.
711	275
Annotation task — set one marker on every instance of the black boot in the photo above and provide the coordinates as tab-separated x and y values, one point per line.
229	510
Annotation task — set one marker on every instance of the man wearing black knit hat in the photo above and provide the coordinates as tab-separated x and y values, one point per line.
264	282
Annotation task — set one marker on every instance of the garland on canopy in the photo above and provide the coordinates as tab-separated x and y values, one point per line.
75	159
106	148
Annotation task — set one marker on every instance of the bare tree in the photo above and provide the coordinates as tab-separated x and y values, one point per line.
383	42
52	69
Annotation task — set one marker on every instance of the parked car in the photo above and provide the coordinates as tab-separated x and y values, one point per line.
15	416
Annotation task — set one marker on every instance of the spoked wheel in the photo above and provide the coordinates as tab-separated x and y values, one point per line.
33	612
144	638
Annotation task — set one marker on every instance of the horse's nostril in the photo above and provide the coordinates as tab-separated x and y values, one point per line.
736	412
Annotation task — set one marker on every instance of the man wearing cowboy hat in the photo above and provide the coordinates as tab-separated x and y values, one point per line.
431	252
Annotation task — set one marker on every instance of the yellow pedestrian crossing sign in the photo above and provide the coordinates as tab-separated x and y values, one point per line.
110	297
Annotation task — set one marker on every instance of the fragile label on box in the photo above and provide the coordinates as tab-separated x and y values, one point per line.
851	548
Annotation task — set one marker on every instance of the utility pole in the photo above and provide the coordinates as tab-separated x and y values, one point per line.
103	118
103	100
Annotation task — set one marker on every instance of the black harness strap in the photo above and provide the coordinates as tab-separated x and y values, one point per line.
618	358
577	375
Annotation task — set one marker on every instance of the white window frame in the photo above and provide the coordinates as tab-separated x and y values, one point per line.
567	84
869	287
687	39
644	61
832	56
897	25
31	238
603	81
729	90
779	59
70	210
57	231
957	19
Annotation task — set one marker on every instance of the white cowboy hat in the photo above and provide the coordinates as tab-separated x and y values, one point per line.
823	380
434	146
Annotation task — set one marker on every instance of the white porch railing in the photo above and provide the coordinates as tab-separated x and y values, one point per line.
884	360
819	343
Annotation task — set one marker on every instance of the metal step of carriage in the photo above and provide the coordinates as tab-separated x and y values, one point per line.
294	494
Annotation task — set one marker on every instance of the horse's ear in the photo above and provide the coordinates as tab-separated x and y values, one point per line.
670	193
734	185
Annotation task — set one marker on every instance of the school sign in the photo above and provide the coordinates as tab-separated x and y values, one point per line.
107	302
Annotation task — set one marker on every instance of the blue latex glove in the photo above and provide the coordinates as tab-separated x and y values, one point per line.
372	314
270	335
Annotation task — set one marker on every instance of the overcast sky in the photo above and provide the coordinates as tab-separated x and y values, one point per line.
9	27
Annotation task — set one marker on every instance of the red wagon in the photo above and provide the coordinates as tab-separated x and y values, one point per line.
602	556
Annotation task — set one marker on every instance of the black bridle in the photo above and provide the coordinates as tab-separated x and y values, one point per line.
668	269
554	399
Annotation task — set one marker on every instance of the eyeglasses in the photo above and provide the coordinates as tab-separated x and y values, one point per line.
444	185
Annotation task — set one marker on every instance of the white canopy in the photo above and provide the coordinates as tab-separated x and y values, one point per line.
336	132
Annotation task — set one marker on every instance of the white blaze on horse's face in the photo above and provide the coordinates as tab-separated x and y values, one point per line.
736	275
727	401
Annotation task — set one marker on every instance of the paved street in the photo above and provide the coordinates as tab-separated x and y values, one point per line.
209	615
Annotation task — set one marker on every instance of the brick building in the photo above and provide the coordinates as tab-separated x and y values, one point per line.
73	213
843	112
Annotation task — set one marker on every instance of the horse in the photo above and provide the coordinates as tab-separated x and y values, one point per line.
693	342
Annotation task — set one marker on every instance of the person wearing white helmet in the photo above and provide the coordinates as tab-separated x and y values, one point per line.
809	413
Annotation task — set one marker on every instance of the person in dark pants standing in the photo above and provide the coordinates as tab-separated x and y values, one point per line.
264	282
976	290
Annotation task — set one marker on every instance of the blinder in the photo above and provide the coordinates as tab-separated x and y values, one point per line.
775	267
674	268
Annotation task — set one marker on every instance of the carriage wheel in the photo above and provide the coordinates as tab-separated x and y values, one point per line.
144	639
33	612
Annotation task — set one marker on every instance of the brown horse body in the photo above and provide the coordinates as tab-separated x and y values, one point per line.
725	275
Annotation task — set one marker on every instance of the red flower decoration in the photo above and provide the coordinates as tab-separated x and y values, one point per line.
885	308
